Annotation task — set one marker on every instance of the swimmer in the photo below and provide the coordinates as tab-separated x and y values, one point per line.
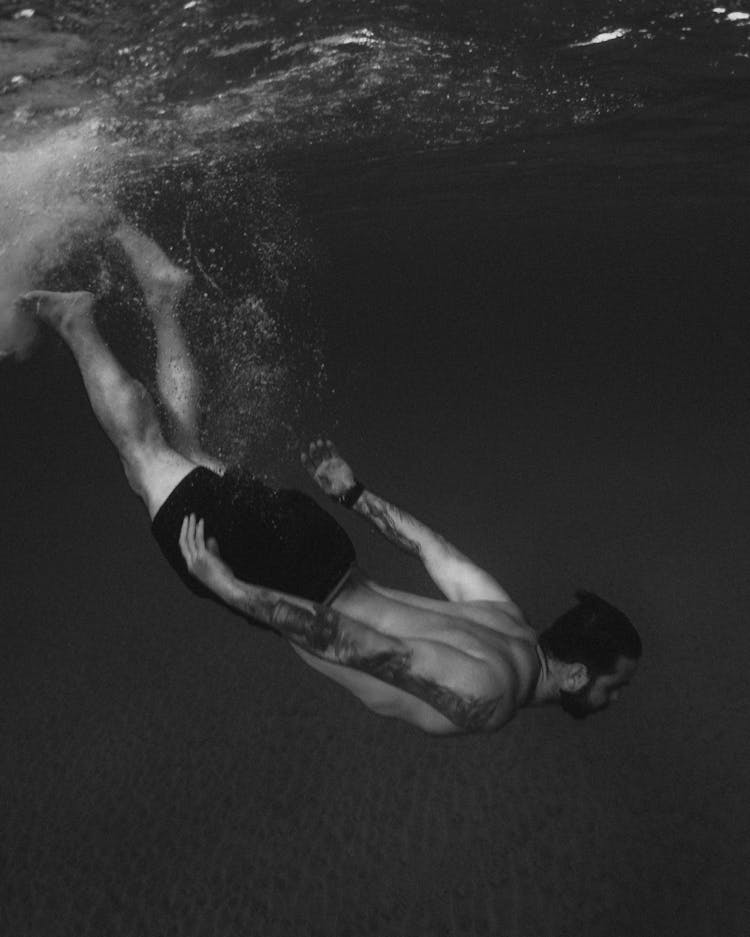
463	664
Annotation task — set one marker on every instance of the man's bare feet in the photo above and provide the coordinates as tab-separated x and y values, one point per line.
56	309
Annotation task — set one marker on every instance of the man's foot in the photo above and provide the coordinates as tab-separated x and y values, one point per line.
56	309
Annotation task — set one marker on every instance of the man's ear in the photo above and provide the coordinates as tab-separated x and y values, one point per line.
576	676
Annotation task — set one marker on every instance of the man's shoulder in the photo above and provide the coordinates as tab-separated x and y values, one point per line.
505	617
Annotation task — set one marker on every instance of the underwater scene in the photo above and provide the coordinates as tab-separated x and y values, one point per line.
498	253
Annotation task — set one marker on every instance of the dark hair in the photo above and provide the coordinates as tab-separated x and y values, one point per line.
593	633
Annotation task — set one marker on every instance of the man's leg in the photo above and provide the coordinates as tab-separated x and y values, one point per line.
120	403
163	285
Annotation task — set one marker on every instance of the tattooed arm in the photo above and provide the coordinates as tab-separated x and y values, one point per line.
457	577
453	573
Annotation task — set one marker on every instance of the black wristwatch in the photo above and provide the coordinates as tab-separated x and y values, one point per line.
350	497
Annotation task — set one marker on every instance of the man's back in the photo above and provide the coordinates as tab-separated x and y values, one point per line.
486	647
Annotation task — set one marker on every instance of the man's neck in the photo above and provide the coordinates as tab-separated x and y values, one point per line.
546	689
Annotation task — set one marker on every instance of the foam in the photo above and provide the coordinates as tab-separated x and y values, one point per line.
256	351
51	191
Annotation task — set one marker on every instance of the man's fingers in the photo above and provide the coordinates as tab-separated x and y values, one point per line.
314	455
192	539
183	538
318	452
187	539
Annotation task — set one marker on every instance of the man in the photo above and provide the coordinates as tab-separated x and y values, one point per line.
463	664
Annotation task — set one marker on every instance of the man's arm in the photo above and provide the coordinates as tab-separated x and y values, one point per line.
457	577
455	574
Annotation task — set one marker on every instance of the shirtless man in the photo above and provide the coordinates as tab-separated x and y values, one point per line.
463	664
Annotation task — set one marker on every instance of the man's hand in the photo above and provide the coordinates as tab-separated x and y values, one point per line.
202	557
327	469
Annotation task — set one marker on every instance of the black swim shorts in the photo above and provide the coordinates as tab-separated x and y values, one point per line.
281	539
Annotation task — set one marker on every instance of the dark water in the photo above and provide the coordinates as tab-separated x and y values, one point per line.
506	267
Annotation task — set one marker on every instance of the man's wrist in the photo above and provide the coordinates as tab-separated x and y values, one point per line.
350	497
232	589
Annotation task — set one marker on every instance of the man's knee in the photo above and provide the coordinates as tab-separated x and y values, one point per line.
139	454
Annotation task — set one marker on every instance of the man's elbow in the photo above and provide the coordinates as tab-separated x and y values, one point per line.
474	585
483	715
503	712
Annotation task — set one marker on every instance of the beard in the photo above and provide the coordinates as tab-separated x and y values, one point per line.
577	704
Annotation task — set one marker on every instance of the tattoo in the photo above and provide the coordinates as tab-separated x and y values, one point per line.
260	605
468	713
386	518
471	715
317	628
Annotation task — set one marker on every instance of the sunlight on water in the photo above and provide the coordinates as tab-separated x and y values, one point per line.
601	37
292	74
